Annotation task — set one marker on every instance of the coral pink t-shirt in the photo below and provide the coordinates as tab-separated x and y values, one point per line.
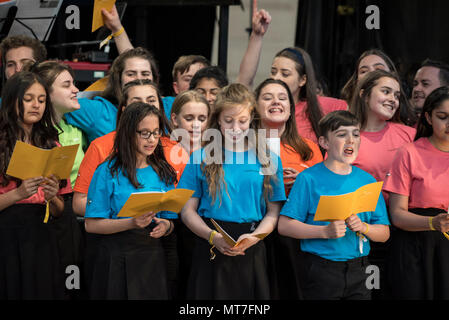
377	149
303	124
421	172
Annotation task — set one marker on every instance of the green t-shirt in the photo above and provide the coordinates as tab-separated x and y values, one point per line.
71	135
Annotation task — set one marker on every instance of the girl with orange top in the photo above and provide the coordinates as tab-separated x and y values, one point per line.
276	107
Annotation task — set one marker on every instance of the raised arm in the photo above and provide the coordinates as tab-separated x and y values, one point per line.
113	23
248	67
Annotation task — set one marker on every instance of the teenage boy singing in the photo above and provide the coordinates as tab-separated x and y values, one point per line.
334	254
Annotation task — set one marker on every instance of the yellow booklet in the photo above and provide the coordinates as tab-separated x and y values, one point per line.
229	240
140	203
341	207
98	85
97	18
28	161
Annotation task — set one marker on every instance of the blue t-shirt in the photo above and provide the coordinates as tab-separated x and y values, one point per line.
303	202
244	200
168	103
96	117
107	194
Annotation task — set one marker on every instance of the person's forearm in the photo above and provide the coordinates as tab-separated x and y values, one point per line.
269	222
122	42
108	226
250	61
377	232
409	221
195	223
298	230
56	206
9	198
79	203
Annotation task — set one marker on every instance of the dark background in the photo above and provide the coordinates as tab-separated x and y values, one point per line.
410	31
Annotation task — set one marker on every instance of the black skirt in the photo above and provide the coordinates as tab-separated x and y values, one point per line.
29	261
128	265
225	277
284	259
418	263
70	242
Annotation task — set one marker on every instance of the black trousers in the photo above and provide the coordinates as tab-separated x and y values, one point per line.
419	262
323	279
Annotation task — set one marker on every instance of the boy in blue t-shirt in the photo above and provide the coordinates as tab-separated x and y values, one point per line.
334	253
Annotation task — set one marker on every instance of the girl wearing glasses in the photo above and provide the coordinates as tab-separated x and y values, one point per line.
125	257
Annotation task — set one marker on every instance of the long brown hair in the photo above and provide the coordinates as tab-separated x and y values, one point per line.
290	137
113	90
308	92
123	156
229	97
43	134
348	91
358	105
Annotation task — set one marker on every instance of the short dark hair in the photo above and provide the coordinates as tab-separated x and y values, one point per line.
334	120
184	62
211	72
13	42
442	66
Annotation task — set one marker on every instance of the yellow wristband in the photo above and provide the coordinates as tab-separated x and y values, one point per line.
105	41
431	224
122	29
211	237
367	228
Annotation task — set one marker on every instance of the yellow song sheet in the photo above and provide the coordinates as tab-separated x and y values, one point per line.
140	203
97	17
28	161
98	85
341	207
229	240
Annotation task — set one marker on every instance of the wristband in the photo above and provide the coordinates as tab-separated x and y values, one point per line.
367	228
431	224
113	35
211	237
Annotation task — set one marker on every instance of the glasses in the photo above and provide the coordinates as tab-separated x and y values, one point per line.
145	134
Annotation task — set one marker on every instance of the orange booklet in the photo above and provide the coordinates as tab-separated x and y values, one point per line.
28	161
229	240
140	203
97	18
341	207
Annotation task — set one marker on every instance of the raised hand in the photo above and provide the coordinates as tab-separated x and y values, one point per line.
111	19
260	21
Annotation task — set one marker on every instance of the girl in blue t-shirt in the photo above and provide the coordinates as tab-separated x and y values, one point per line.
242	189
97	116
125	258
